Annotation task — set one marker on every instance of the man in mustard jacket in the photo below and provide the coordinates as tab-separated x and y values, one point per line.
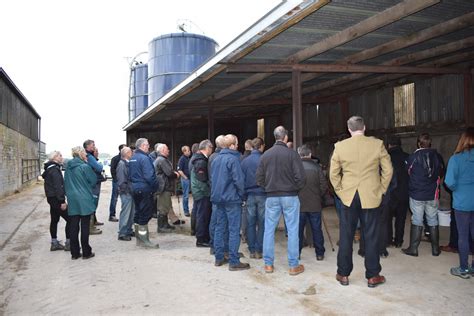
360	173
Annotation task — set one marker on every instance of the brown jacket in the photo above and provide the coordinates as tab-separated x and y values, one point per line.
362	164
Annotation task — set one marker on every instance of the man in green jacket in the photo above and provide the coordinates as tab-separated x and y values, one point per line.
202	192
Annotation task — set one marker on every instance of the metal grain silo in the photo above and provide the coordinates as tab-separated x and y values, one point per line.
138	90
172	58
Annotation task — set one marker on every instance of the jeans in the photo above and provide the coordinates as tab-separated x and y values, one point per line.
113	198
274	206
314	218
144	206
127	214
203	217
228	216
369	219
255	217
185	186
84	223
419	208
56	213
465	224
212	230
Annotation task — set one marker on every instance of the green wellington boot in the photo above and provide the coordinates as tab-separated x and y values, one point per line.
143	237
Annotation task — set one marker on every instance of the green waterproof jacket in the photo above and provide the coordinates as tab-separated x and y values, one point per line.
79	180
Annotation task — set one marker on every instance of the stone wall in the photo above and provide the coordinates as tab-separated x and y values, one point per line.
14	147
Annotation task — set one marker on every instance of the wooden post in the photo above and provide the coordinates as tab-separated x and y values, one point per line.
210	124
297	110
344	103
468	102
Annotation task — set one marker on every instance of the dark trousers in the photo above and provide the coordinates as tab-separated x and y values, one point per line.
113	198
84	223
143	207
399	210
453	234
385	223
314	219
465	225
203	218
369	219
56	213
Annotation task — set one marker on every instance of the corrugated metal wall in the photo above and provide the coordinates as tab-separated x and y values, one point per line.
437	100
16	115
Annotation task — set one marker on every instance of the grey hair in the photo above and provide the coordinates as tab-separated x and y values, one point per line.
140	142
53	155
280	132
205	144
76	151
220	141
355	123
304	151
124	151
159	147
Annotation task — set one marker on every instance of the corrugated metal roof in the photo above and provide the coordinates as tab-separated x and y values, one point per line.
297	35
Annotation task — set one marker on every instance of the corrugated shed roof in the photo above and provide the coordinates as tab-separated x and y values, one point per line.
318	26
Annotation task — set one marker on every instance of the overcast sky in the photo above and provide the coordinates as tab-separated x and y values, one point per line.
69	57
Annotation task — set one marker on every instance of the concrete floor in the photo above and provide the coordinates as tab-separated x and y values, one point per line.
179	278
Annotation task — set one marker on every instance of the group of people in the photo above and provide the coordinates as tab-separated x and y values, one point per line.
236	194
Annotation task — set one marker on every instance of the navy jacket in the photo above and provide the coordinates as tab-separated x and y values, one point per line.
249	167
227	178
142	173
399	158
425	168
183	165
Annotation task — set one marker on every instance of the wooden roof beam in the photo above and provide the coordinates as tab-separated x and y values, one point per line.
332	68
364	84
414	57
396	44
388	16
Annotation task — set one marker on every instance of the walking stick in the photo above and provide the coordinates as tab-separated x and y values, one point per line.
327	231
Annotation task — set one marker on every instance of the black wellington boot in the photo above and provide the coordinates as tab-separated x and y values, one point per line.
434	232
415	238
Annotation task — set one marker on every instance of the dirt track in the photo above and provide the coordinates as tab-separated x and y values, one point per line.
179	278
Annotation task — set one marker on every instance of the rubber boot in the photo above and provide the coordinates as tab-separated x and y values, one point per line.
135	228
193	223
434	233
143	237
163	226
93	230
415	238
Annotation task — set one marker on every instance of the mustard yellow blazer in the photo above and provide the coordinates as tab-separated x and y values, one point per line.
361	163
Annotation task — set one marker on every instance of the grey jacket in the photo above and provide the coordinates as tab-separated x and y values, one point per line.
123	183
164	172
315	187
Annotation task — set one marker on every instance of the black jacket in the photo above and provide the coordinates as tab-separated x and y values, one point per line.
399	157
281	171
164	172
315	187
113	166
53	181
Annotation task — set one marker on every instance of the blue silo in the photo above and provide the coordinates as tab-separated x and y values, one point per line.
138	90
172	58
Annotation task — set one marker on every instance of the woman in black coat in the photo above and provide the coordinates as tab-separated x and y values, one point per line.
54	190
